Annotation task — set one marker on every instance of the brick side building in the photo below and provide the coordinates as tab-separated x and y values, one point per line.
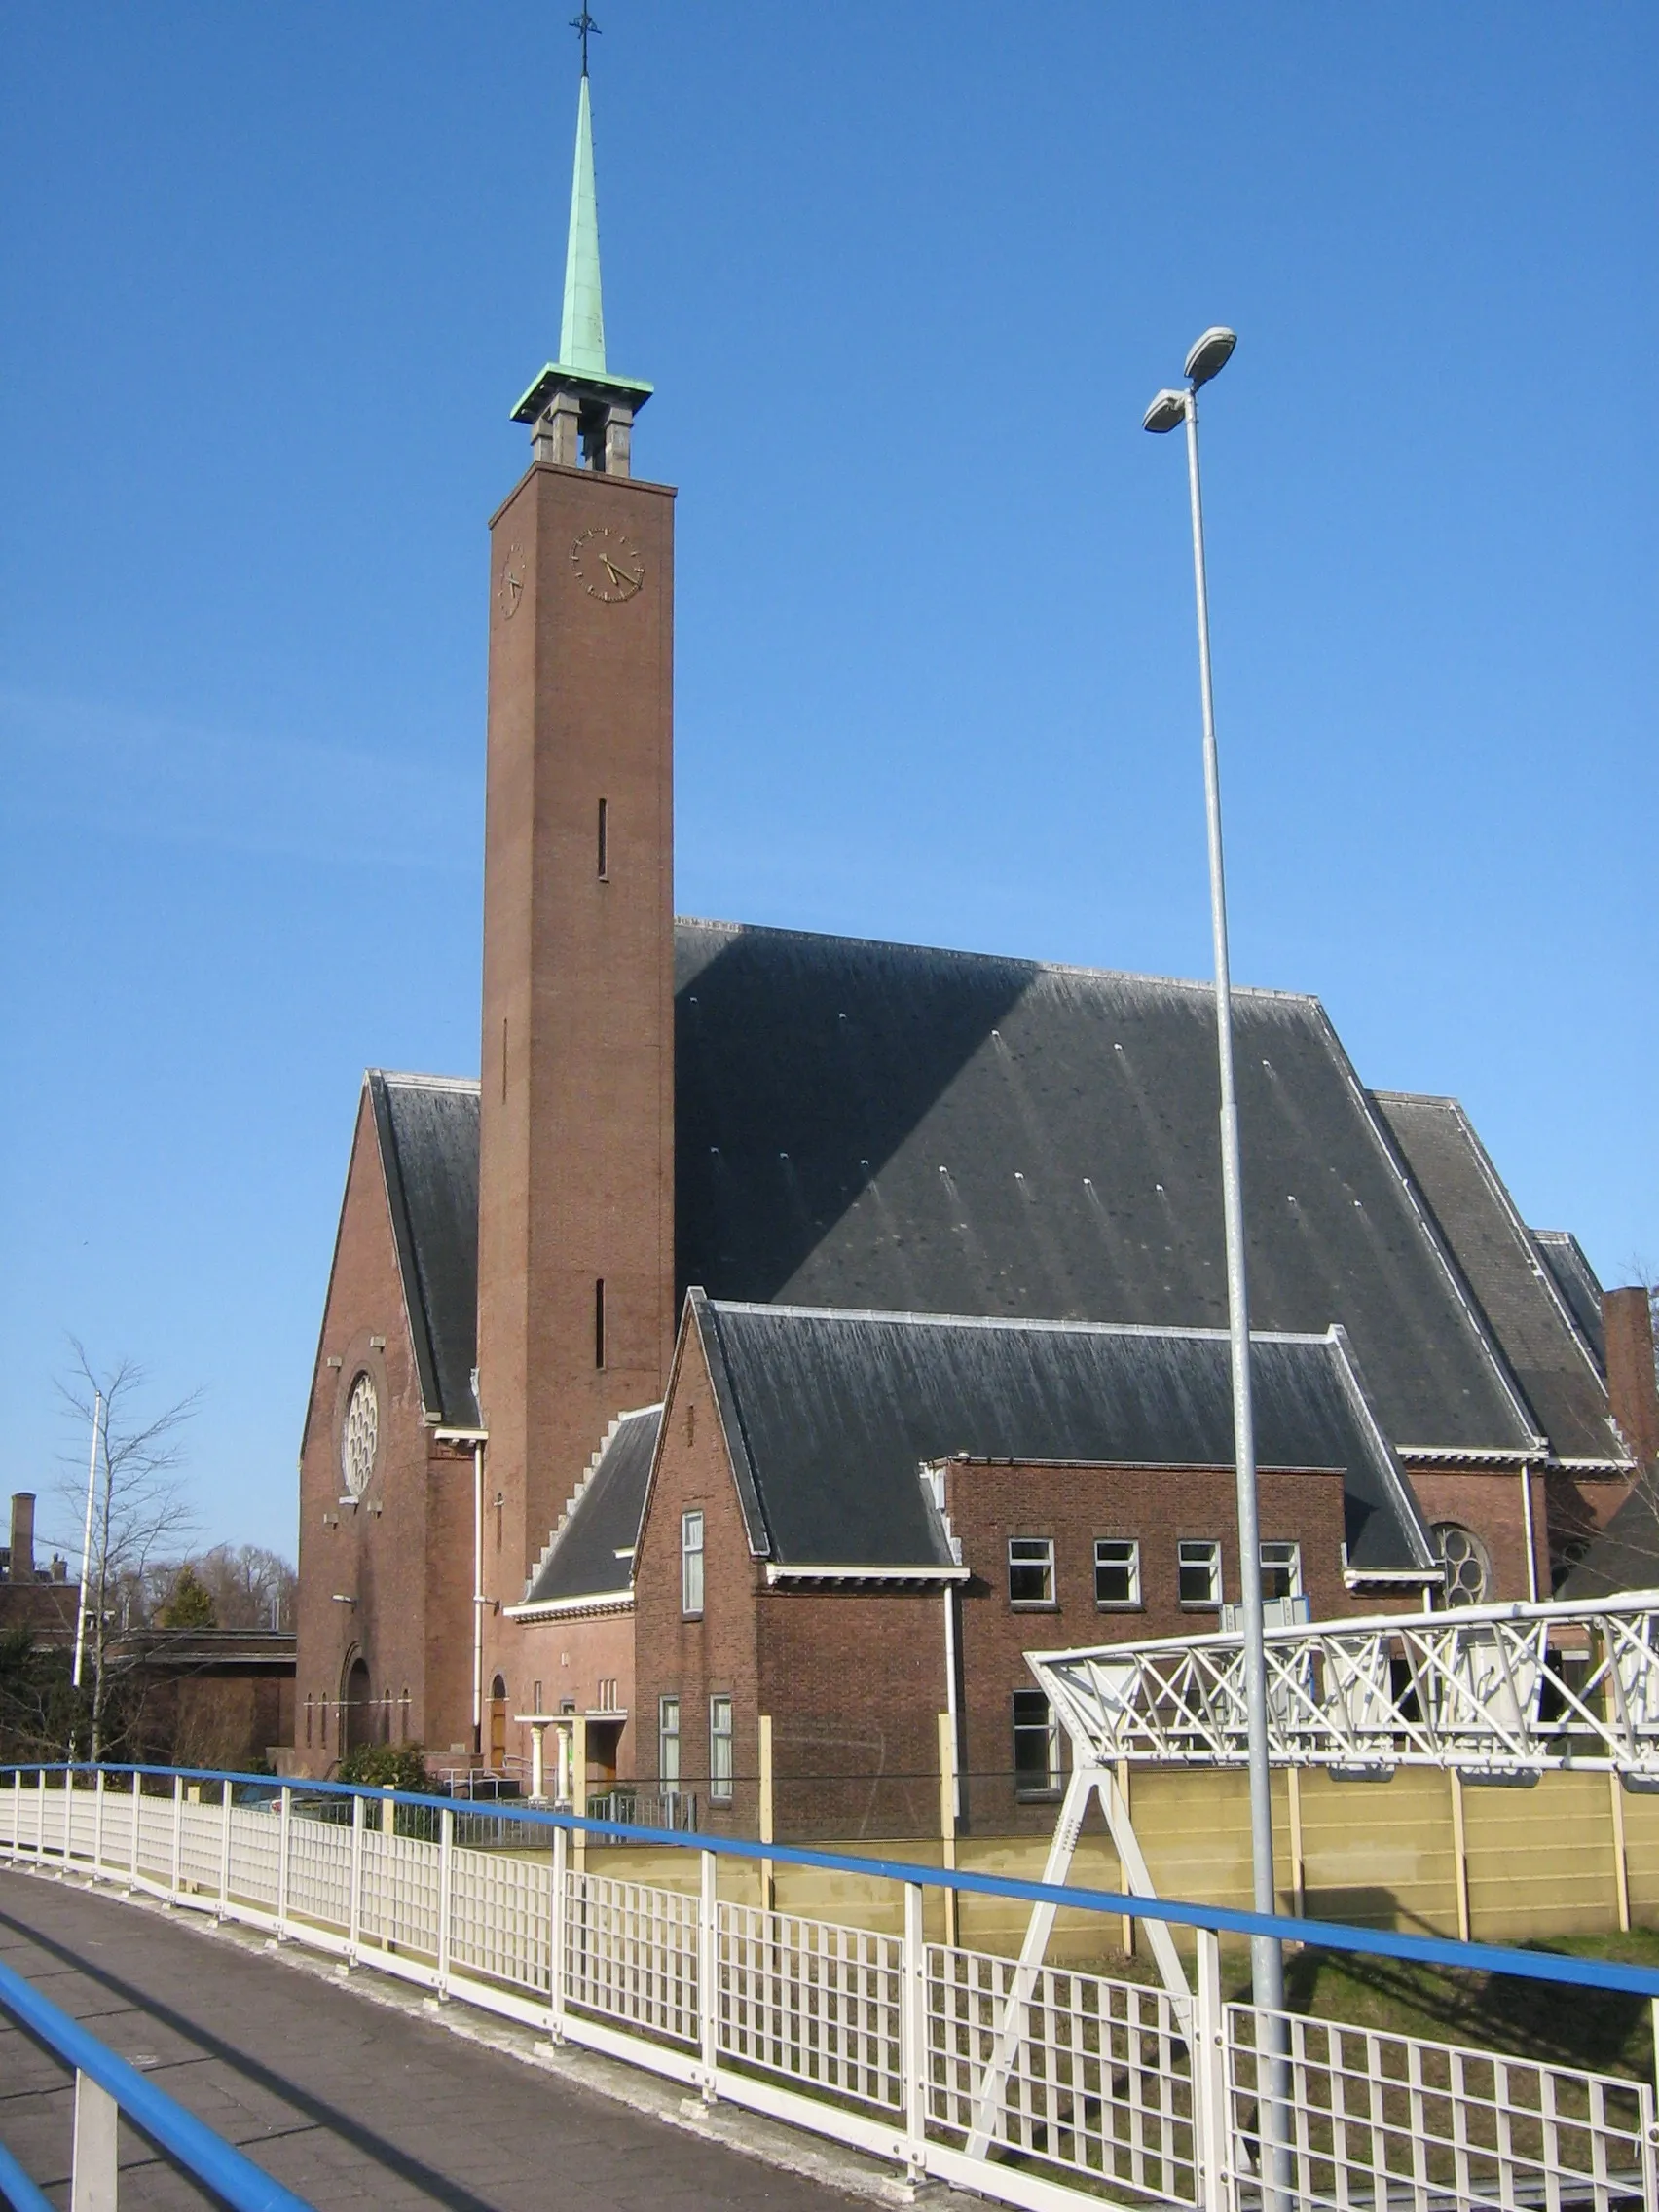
857	1521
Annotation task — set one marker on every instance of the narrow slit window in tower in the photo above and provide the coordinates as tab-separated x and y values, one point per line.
598	1322
604	840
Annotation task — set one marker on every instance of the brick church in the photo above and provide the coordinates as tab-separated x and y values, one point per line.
780	1319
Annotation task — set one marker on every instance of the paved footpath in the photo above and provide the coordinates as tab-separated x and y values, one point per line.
350	2092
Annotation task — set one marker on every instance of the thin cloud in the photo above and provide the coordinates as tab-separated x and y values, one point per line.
84	765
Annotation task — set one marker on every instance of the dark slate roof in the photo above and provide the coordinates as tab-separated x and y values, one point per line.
591	1554
1625	1556
830	1415
427	1128
1532	1323
883	1125
1579	1283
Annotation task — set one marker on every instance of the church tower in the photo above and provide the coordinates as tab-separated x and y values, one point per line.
575	1245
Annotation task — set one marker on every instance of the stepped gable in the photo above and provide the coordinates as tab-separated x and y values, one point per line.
1579	1285
591	1552
1535	1326
427	1131
888	1126
828	1417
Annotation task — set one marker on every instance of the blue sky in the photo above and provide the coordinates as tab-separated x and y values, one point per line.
904	279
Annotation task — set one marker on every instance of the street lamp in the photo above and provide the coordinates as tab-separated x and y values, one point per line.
1170	408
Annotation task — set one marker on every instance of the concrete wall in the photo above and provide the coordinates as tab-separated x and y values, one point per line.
1540	1862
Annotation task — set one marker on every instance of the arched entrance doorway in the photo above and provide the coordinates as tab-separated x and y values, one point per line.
358	1708
498	1724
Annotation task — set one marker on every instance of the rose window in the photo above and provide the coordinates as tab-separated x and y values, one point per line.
360	1436
1468	1571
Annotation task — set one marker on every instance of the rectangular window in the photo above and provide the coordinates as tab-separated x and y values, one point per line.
691	1563
1031	1570
1200	1565
604	838
1281	1570
719	1750
598	1322
1035	1745
668	1745
1117	1572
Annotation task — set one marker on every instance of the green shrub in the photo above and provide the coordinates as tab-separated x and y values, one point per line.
386	1766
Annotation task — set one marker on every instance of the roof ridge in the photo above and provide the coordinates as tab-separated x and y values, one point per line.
411	1080
1037	965
1323	1336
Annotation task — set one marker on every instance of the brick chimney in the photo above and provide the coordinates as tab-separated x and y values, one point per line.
22	1567
1633	1393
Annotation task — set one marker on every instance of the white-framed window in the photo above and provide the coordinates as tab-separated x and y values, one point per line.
1031	1570
719	1750
1198	1563
1281	1570
1035	1745
1117	1572
668	1745
691	1562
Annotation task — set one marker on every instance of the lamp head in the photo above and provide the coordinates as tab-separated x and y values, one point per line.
1210	355
1167	412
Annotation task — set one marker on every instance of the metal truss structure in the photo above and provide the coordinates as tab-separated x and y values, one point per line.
1492	1693
1495	1692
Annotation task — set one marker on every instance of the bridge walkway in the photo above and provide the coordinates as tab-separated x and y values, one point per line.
348	2098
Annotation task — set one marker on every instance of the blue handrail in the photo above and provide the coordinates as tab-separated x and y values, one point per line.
218	2165
16	2187
1222	1920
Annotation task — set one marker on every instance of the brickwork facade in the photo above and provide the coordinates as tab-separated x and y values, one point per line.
1491	1503
575	1261
1633	1388
581	1662
714	1649
402	1554
1072	1509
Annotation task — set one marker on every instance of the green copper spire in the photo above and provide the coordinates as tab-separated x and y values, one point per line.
576	393
581	331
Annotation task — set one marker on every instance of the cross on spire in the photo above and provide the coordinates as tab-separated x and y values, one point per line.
585	27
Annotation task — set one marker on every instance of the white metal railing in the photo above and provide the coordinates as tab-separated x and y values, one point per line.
1037	2085
1382	2119
1495	1689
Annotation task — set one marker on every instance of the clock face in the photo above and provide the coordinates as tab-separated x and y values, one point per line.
608	566
511	589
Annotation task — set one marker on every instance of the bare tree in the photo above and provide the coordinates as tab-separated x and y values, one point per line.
250	1587
140	1504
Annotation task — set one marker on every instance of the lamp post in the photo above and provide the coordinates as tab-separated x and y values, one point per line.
1170	408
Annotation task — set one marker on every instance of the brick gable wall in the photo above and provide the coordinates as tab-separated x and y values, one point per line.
377	1552
692	1659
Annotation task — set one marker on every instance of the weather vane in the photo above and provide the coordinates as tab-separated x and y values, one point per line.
584	27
